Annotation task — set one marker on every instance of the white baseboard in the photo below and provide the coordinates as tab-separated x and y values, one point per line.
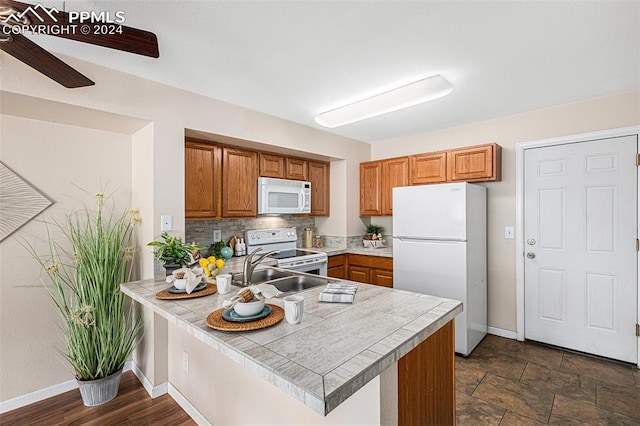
39	395
153	391
183	402
501	332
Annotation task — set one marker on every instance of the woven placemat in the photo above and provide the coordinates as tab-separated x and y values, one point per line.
165	295
215	321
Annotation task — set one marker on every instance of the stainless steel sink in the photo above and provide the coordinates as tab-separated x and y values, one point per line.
261	276
296	283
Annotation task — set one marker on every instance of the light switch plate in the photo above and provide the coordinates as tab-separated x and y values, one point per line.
508	233
217	235
166	223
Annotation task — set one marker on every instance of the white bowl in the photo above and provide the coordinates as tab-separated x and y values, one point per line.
180	283
246	309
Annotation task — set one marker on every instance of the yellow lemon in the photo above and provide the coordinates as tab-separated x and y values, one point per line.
219	263
203	262
211	259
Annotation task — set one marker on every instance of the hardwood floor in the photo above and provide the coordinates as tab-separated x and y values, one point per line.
132	406
505	382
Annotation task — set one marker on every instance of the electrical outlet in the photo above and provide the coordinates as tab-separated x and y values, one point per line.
185	361
166	223
508	232
217	235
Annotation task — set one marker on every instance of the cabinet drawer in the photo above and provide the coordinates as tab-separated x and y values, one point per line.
377	262
335	261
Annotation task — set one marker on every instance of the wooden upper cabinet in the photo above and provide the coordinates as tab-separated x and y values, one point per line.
297	169
319	176
240	184
395	172
430	167
475	163
272	165
370	188
203	174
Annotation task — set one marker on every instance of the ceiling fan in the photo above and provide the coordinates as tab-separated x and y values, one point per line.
16	17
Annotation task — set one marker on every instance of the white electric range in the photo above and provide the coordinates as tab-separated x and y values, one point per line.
290	257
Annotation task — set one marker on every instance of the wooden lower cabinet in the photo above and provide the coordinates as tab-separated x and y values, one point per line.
375	270
426	384
335	267
359	274
382	277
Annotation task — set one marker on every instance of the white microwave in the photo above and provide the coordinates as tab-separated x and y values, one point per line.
283	196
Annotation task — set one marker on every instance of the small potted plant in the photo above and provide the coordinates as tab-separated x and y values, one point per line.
373	236
173	252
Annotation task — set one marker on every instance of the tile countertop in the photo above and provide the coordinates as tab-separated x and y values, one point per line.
332	353
334	251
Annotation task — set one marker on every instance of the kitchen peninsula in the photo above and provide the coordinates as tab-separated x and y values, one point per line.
385	359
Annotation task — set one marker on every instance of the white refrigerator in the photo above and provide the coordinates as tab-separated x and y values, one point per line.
440	248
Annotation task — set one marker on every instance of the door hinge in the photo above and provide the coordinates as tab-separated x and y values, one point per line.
637	244
637	159
638	330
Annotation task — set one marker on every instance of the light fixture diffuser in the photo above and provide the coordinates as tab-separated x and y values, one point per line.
415	93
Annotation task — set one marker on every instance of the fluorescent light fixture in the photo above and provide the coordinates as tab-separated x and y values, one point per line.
401	97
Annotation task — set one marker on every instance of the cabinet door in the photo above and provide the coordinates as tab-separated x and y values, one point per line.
296	169
395	172
476	163
382	277
336	272
430	167
359	274
240	185
320	187
203	173
370	189
272	165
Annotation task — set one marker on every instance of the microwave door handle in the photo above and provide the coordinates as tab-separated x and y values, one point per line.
301	200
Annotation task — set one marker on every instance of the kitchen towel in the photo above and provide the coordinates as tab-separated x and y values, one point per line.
338	293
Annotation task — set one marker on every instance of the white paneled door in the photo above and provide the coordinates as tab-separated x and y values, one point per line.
580	230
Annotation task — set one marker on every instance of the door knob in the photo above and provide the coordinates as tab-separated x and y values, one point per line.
531	255
531	242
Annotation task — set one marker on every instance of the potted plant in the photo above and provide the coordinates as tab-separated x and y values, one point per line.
373	236
173	252
90	254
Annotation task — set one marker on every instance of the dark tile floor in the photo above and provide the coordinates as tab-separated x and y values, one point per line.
507	382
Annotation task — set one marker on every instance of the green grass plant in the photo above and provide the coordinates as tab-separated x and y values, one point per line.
86	267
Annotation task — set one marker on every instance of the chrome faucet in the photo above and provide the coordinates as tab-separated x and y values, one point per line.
250	265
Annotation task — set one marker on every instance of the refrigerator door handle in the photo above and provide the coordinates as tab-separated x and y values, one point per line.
430	240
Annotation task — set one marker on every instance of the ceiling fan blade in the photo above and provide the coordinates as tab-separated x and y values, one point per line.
114	36
39	59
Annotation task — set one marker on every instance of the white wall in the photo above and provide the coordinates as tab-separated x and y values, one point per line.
595	114
52	158
155	117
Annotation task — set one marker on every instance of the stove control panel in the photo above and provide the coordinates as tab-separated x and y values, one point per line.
269	236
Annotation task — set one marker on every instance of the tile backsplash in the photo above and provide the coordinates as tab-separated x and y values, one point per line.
201	231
